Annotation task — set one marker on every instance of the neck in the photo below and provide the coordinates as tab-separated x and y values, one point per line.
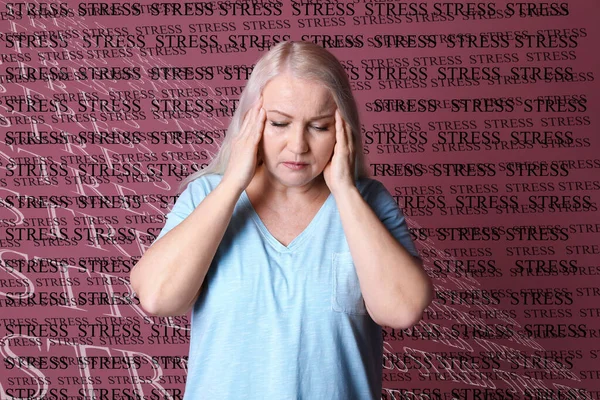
268	188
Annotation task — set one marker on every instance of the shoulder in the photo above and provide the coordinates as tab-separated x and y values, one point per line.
376	195
205	183
199	188
369	187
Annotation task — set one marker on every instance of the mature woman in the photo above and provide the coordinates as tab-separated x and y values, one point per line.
289	257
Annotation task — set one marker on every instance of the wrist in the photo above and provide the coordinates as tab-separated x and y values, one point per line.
229	189
344	190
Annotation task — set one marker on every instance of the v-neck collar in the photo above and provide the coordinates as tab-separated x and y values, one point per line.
298	240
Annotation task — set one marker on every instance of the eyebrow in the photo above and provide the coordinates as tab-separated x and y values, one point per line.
316	118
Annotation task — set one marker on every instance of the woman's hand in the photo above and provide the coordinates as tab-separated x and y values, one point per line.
244	148
339	172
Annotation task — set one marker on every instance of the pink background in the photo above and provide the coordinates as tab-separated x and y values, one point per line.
478	347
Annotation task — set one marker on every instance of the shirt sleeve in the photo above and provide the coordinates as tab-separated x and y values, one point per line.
187	202
386	208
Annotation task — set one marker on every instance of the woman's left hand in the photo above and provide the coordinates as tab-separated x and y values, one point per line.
339	172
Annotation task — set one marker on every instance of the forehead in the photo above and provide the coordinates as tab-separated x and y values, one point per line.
290	94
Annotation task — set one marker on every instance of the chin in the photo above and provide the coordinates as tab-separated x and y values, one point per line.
293	181
294	178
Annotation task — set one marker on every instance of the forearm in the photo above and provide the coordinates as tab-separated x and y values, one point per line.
168	277
395	287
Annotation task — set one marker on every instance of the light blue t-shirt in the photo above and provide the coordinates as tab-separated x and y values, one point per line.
284	322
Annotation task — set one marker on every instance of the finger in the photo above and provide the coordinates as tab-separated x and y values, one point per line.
339	137
343	134
250	120
258	105
351	148
257	109
259	114
261	125
254	111
250	110
349	137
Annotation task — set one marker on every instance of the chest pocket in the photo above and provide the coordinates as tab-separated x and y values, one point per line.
346	295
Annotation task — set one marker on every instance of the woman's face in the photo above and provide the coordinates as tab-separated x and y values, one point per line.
300	128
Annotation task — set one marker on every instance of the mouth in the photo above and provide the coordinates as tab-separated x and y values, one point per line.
294	165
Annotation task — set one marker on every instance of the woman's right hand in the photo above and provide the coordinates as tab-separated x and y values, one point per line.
244	148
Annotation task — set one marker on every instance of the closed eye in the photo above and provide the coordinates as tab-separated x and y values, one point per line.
283	124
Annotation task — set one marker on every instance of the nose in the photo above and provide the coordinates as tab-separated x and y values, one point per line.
297	142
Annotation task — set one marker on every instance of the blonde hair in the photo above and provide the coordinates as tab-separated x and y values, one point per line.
303	60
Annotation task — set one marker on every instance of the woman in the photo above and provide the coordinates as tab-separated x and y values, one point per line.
289	256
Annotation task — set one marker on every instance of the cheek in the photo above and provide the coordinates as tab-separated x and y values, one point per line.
268	130
268	143
326	148
272	133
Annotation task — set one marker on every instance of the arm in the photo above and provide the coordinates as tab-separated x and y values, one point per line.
168	277
394	285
